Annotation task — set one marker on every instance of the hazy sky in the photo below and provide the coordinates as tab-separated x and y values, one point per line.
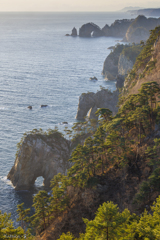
73	5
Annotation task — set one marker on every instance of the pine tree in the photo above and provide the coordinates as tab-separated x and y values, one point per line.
23	214
41	205
107	223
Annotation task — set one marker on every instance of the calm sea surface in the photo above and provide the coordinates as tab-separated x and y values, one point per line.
39	65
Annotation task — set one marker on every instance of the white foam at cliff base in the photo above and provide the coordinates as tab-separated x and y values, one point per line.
5	180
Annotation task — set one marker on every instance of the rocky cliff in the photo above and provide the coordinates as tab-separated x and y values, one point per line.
139	29
40	155
90	30
131	30
92	101
120	61
147	65
124	65
118	28
115	185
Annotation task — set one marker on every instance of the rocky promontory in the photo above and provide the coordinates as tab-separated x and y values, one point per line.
120	61
90	30
139	29
92	101
118	28
130	30
40	155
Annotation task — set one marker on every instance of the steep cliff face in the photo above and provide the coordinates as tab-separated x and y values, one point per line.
118	28
120	60
40	155
139	29
124	65
115	185
74	32
110	66
92	101
147	66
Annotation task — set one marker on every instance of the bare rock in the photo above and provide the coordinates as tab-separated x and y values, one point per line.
124	65
139	29
101	99
40	155
118	28
74	32
120	81
92	112
44	106
90	30
93	78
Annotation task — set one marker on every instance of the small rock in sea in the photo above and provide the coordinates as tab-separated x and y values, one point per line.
43	106
93	78
30	107
64	122
74	32
67	35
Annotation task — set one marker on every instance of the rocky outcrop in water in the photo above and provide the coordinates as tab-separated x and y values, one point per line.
91	101
40	155
131	30
120	81
90	30
74	32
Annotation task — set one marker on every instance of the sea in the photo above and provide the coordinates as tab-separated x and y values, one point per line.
40	65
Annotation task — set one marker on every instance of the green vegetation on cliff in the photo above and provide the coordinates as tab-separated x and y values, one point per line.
125	147
145	62
131	51
119	142
110	223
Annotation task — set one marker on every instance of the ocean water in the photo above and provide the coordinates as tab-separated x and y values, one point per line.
40	65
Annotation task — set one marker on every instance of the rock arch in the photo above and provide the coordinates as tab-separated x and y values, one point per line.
90	30
40	155
91	101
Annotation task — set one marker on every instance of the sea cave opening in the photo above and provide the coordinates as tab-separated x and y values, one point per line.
39	182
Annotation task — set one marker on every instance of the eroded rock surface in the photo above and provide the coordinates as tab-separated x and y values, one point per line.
91	101
139	29
40	155
118	28
124	65
110	66
74	32
90	30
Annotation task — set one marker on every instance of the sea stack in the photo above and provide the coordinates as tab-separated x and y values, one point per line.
74	32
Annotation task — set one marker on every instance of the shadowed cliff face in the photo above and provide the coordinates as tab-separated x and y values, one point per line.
101	99
40	155
118	28
90	30
139	29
